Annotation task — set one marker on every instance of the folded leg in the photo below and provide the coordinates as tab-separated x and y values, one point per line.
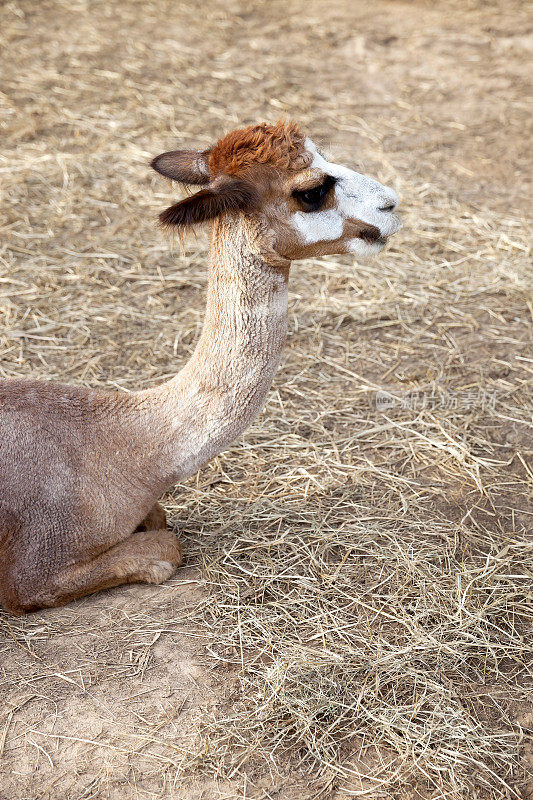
144	557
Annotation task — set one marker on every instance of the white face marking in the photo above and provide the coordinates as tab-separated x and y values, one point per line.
320	226
357	198
363	249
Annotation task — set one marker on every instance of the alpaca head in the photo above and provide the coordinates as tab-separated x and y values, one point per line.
274	176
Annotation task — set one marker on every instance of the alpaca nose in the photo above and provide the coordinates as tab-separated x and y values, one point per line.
388	202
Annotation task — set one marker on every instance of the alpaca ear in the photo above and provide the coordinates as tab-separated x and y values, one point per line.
185	166
222	195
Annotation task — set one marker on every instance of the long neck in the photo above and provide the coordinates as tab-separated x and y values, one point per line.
218	393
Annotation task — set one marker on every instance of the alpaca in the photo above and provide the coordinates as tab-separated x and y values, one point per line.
81	470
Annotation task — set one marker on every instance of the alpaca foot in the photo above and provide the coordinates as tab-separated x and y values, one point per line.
156	572
158	555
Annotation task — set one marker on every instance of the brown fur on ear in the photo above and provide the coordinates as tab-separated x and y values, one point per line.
224	194
185	166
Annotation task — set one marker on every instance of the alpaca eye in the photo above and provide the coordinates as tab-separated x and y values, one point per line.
313	199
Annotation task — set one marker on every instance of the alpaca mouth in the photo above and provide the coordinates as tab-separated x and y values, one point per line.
372	235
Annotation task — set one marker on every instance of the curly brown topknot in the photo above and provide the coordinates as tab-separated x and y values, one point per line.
281	146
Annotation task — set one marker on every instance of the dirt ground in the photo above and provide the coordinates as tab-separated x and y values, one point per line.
353	618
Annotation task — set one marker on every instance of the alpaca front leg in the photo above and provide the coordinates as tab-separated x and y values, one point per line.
144	557
155	520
